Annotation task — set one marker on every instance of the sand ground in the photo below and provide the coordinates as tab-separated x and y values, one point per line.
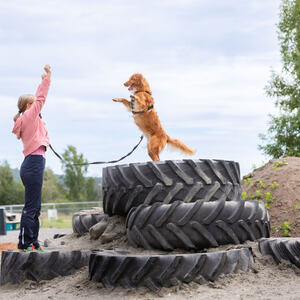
265	280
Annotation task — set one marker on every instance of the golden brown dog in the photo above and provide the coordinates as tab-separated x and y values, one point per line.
146	118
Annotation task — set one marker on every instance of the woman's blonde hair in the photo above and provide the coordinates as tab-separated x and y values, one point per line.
22	103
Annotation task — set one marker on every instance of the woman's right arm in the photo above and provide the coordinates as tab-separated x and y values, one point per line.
41	94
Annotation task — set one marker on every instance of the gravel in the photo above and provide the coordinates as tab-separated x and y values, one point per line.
45	233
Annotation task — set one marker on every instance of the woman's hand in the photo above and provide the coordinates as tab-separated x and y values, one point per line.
47	69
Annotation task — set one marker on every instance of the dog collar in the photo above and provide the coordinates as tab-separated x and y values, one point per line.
143	111
144	92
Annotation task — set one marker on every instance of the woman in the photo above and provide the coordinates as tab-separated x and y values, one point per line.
31	129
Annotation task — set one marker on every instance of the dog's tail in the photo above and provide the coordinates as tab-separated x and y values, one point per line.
180	146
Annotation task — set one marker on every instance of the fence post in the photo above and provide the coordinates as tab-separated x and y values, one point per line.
2	222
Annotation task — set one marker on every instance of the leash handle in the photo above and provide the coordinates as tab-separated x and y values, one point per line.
101	162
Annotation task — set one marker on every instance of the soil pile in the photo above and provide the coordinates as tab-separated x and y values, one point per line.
7	246
277	184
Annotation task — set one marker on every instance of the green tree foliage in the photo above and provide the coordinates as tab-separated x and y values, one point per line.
92	190
283	136
11	192
52	190
74	179
71	186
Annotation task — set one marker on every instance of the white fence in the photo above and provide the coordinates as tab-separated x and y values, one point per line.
62	208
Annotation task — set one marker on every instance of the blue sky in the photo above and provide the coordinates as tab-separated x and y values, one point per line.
207	63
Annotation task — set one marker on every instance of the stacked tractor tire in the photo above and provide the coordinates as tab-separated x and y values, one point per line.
181	208
172	205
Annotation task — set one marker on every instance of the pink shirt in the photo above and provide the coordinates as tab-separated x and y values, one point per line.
29	126
40	151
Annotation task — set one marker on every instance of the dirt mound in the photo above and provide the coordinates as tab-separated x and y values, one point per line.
277	184
8	246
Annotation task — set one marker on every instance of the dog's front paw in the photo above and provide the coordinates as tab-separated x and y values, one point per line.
116	99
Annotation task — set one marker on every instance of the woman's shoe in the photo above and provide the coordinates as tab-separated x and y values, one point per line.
39	250
30	249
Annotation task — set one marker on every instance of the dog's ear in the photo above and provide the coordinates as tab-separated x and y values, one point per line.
146	85
138	79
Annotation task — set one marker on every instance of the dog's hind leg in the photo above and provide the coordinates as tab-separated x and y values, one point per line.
155	145
153	156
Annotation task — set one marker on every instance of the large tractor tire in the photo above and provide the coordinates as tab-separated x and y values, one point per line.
196	225
19	266
83	221
156	271
287	249
127	186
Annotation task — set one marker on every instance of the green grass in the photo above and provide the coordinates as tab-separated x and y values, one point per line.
286	227
63	221
278	164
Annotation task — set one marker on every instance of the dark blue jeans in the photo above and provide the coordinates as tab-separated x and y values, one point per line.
32	174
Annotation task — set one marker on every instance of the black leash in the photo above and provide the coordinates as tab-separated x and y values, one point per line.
100	162
56	153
